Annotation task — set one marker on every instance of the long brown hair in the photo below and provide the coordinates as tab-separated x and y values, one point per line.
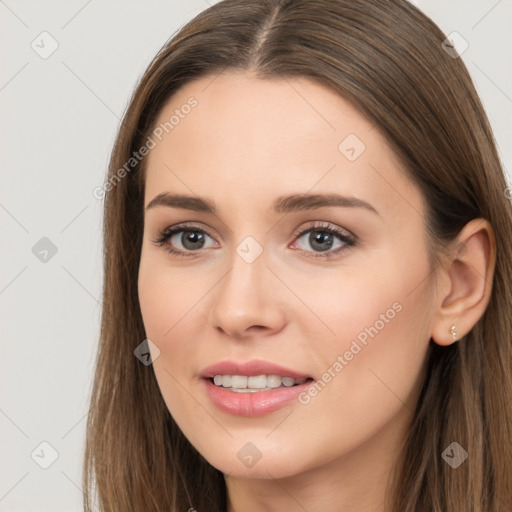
387	59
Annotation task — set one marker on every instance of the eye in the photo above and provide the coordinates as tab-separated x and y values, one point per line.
325	240
191	238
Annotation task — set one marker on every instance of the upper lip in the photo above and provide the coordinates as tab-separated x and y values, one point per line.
250	368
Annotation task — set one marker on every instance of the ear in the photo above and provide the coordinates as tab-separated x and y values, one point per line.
465	282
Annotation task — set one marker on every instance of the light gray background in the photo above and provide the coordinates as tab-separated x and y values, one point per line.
59	118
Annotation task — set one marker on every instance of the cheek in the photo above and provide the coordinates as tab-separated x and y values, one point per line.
167	296
170	302
373	364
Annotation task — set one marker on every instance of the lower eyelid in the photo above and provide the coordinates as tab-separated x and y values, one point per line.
331	253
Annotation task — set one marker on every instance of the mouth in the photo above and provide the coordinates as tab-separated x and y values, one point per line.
242	400
255	383
253	388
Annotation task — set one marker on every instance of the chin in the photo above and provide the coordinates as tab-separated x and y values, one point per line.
248	461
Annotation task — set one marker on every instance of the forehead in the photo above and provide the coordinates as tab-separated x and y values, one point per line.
251	138
250	111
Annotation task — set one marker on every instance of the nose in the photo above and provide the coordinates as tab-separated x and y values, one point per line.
245	302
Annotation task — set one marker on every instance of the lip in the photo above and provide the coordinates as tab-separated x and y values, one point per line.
251	369
254	404
257	403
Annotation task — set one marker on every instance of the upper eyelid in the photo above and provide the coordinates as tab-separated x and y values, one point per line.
319	225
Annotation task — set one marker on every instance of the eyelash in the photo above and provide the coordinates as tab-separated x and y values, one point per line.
348	240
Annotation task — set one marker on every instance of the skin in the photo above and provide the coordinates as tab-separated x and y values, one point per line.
247	142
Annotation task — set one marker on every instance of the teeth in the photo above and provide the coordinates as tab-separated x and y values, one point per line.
273	381
238	381
287	381
258	382
243	383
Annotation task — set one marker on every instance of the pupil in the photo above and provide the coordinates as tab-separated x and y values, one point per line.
320	238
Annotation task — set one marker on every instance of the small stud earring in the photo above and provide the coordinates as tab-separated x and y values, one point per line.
453	331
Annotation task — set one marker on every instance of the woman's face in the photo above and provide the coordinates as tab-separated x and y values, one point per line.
336	293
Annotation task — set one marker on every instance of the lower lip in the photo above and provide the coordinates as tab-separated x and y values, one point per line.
253	404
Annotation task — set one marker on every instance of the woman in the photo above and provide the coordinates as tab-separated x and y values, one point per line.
307	234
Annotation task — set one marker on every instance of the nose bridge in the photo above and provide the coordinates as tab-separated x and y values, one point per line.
248	267
243	298
242	285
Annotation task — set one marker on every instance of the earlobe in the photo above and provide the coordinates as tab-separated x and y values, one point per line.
468	275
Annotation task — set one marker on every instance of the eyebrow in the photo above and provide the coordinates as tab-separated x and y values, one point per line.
283	204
